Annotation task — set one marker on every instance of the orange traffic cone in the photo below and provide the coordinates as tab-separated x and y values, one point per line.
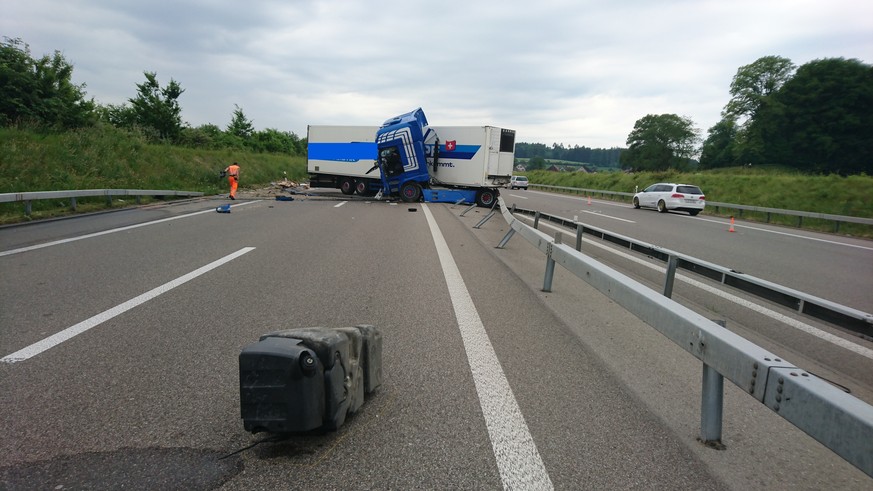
732	225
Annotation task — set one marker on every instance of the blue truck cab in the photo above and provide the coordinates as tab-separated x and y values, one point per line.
409	162
403	144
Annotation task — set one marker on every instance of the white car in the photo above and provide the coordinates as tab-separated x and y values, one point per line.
671	196
518	182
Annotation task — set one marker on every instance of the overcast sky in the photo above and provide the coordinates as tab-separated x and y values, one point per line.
572	72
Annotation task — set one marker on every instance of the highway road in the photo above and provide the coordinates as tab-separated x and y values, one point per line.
120	335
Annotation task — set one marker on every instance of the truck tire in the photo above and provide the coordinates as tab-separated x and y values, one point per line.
347	186
361	187
410	192
485	198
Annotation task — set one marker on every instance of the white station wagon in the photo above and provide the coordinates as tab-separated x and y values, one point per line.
671	196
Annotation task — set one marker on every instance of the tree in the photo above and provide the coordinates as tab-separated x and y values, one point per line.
824	116
660	142
754	82
535	163
158	108
40	91
239	125
719	147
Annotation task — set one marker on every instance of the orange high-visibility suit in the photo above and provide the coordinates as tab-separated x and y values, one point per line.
232	172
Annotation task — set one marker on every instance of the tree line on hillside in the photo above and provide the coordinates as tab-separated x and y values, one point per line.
599	157
39	93
817	118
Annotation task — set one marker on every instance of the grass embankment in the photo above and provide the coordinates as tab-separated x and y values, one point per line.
769	188
108	158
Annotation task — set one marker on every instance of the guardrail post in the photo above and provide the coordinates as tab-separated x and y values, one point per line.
468	209
27	208
672	263
73	203
711	407
580	229
506	238
550	265
536	220
485	219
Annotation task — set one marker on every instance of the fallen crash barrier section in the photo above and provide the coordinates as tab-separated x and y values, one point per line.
297	380
838	420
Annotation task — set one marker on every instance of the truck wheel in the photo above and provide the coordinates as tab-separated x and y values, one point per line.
361	187
410	192
486	197
347	186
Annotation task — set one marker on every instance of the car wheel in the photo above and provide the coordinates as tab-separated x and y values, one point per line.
662	207
636	203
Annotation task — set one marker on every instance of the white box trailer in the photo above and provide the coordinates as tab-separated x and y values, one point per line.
468	156
340	156
473	156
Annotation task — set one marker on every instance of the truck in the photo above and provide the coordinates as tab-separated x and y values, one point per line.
443	163
406	157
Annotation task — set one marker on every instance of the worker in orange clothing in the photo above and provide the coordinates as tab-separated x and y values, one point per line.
232	173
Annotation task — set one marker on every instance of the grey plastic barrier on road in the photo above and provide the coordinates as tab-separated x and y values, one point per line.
838	420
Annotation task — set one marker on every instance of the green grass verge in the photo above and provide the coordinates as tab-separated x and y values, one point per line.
105	157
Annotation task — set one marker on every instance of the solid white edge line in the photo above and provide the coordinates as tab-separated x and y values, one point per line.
518	459
111	231
72	331
801	326
340	204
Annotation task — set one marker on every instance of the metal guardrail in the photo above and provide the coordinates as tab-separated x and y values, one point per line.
73	194
836	314
838	420
837	219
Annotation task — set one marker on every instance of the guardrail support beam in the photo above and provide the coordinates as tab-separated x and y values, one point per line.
506	238
550	266
485	219
711	407
580	229
468	209
672	263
